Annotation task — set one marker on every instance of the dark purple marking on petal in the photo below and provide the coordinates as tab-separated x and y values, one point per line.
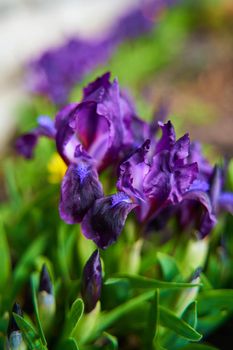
106	218
79	189
91	282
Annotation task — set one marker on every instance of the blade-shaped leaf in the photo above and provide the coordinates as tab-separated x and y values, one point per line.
112	343
169	320
25	264
35	304
168	265
108	319
215	299
151	329
141	282
74	316
5	258
69	344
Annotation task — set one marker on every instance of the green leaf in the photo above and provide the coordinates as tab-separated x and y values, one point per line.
190	314
198	347
108	319
69	344
168	265
35	304
151	329
112	343
141	282
30	335
74	316
5	259
212	299
26	263
169	320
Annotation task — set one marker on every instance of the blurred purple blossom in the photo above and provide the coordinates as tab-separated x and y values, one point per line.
58	69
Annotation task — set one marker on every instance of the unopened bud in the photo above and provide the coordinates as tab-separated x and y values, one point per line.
46	300
91	281
14	335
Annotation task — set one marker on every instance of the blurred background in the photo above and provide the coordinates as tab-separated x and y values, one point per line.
176	53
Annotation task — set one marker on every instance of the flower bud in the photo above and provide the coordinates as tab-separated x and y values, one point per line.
91	281
46	300
14	336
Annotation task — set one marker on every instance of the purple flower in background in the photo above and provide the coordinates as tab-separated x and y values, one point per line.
105	220
221	200
56	72
80	187
91	282
26	143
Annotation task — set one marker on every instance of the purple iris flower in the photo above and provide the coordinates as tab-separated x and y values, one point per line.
205	198
91	282
155	176
26	143
147	182
104	122
157	180
80	187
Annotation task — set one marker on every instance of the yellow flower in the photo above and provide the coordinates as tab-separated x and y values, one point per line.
56	169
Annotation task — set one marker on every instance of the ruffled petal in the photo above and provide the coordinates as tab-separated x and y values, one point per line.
106	218
79	189
66	140
132	172
181	181
202	215
95	90
168	137
180	151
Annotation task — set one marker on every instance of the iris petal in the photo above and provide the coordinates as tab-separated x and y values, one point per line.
106	218
80	188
